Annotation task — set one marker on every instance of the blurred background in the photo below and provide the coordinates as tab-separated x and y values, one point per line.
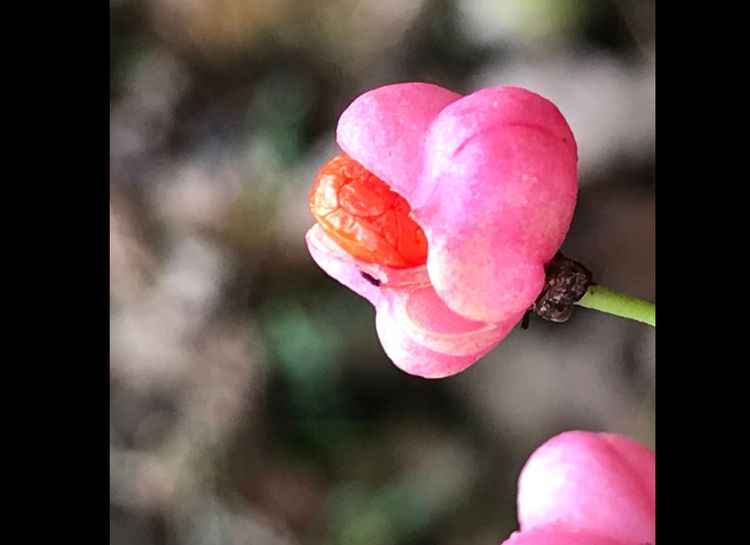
251	402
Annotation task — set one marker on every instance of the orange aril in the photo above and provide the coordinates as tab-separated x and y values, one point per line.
361	213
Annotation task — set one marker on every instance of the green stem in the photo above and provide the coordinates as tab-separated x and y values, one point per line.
619	304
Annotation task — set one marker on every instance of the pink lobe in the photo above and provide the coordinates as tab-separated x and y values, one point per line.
429	322
502	163
418	332
414	358
383	130
598	483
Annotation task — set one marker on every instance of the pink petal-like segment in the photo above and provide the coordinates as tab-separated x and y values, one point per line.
503	163
429	322
340	265
599	483
384	129
560	535
414	358
419	333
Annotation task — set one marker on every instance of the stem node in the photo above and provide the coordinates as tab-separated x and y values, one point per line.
569	283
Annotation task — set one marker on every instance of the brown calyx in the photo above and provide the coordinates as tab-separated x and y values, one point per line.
566	283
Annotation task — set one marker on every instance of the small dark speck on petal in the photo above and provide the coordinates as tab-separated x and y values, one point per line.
370	279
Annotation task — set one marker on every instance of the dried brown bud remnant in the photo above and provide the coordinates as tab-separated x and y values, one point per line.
567	281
